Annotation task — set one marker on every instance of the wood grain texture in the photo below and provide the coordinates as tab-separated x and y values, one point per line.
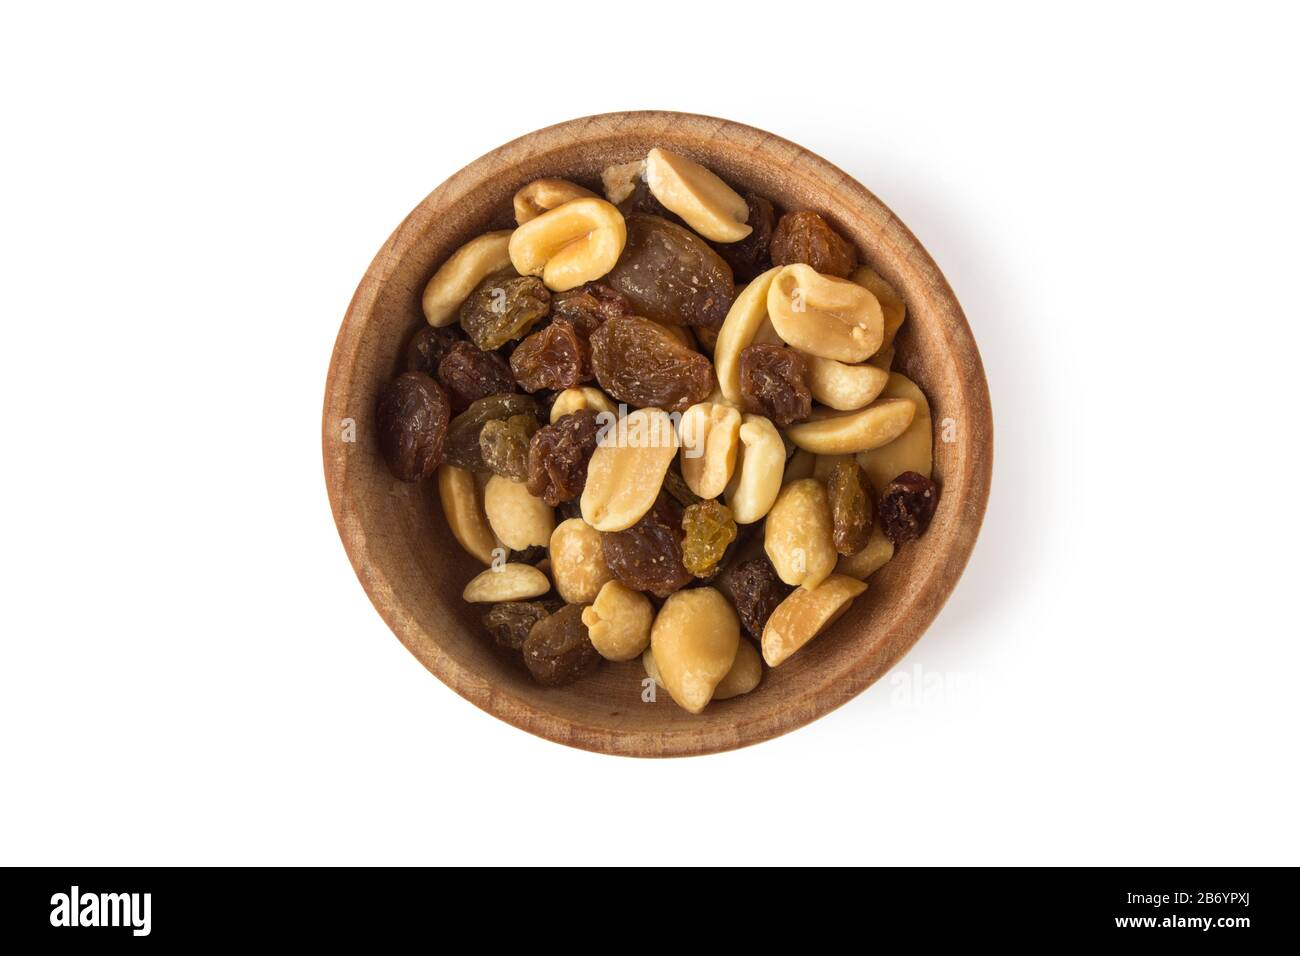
413	571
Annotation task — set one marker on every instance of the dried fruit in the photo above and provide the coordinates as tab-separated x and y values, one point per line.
557	650
648	555
468	373
590	306
509	623
774	383
672	275
750	257
503	445
412	417
907	505
427	348
638	362
502	308
806	237
707	529
464	448
555	358
756	590
852	510
676	486
558	457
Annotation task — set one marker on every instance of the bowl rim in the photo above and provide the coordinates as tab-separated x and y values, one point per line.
794	713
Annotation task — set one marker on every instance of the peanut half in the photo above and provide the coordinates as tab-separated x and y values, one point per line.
756	481
462	504
845	433
797	534
578	561
571	244
575	399
743	325
627	469
913	450
874	555
618	622
745	674
508	582
805	614
543	195
824	316
891	303
844	387
518	519
468	266
710	435
620	181
705	202
695	638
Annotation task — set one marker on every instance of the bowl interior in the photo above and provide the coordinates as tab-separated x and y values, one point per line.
414	571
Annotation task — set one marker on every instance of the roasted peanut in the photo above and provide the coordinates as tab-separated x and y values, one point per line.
571	244
468	266
462	505
577	561
627	469
620	181
805	613
844	387
824	316
756	481
873	556
848	432
575	399
797	534
507	582
913	450
745	674
802	464
884	359
710	436
745	320
618	622
891	303
695	638
705	202
543	195
518	519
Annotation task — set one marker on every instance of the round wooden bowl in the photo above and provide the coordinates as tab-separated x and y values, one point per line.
414	571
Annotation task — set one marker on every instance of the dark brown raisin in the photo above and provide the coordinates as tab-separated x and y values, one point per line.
642	200
411	418
672	275
555	358
751	256
852	510
648	555
756	590
774	382
509	623
676	486
557	650
464	448
468	373
907	505
558	457
502	308
806	237
588	307
707	530
640	363
503	445
428	346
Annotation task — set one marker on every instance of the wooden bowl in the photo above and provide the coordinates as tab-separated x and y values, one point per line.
414	571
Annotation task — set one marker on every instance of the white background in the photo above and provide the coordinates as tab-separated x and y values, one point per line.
191	672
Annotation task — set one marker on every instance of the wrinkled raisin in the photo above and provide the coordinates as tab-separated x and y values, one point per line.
852	510
468	373
412	417
502	308
907	505
509	623
503	445
588	307
463	447
642	200
648	555
676	486
555	358
774	382
707	529
557	650
672	275
558	457
638	362
756	590
806	237
751	256
428	346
